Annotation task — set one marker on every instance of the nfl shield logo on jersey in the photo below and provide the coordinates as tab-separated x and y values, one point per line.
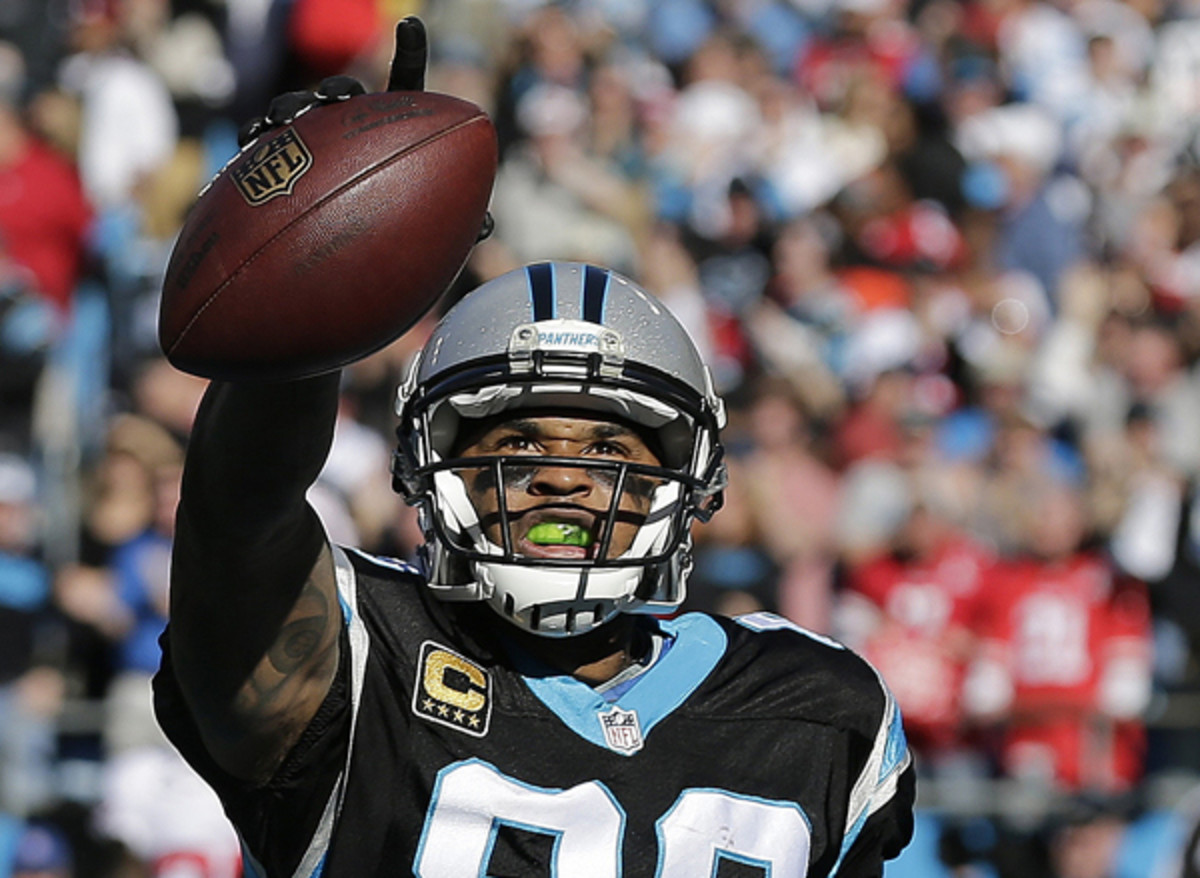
622	731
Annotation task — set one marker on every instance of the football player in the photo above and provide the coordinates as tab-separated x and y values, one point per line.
522	703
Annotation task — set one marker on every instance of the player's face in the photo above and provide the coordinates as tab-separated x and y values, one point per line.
560	511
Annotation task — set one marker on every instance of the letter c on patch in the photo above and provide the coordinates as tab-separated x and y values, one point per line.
436	666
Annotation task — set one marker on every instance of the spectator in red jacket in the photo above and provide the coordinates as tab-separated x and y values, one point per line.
44	216
914	607
1065	658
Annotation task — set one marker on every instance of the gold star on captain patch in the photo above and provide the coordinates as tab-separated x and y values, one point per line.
427	705
458	716
443	710
473	721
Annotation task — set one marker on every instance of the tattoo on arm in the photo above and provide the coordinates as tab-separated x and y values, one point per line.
298	642
306	644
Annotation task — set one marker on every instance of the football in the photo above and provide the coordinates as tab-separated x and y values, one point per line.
324	240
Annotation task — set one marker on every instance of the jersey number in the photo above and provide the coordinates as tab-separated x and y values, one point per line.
473	802
1052	645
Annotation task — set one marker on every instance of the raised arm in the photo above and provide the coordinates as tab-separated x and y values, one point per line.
254	609
255	616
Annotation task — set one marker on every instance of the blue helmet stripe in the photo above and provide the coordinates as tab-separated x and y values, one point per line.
595	288
541	290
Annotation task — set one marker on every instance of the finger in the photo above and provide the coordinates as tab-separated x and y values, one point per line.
251	130
339	88
412	52
285	107
489	226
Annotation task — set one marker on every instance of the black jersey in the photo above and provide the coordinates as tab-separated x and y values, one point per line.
750	748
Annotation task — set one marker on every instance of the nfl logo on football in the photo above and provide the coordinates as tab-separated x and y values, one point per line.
273	168
622	731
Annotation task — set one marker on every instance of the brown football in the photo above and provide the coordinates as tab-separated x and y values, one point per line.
324	240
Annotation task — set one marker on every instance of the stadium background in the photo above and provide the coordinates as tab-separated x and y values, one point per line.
943	255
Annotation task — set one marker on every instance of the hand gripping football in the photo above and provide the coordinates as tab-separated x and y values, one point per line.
326	239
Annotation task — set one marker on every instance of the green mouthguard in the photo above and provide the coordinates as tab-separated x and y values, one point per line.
554	533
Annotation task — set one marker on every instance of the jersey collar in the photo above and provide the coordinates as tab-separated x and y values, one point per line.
699	643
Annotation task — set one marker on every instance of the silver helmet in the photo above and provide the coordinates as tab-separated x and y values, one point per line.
570	340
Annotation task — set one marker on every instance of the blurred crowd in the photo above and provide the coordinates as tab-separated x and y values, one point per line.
942	255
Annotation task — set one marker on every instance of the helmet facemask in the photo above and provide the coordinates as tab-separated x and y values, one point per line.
490	515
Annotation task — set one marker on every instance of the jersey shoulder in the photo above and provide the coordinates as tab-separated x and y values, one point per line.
379	588
773	665
390	611
382	567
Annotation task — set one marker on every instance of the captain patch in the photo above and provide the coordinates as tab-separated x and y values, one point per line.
452	690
